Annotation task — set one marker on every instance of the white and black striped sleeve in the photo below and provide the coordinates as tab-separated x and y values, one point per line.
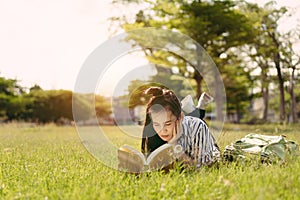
201	145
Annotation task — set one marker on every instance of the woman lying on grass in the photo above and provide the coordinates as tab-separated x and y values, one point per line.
166	123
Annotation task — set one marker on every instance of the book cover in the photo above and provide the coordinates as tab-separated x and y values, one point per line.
132	160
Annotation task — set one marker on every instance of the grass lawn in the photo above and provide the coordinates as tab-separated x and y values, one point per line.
50	162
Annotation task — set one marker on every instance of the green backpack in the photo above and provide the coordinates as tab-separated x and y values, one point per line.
266	148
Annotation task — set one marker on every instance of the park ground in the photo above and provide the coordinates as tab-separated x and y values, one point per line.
50	162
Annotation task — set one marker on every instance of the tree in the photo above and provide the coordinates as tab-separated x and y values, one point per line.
81	106
272	52
49	105
11	103
260	52
216	25
164	78
102	107
238	83
291	60
270	26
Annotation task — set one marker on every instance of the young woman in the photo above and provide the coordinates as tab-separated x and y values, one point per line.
166	123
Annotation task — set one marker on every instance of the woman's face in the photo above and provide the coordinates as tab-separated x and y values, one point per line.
164	123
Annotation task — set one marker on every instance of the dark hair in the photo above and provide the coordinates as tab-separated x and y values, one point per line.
161	99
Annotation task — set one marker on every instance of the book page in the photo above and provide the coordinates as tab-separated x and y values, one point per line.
130	159
161	157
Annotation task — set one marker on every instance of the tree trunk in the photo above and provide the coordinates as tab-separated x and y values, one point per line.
293	97
279	75
265	92
238	114
281	86
198	78
218	98
265	95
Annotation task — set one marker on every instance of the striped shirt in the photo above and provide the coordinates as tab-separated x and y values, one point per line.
197	141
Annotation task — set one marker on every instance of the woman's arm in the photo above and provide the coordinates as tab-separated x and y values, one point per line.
204	148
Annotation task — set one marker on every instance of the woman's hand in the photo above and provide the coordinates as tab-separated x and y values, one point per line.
177	130
187	161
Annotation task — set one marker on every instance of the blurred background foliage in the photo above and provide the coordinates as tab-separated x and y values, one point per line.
257	62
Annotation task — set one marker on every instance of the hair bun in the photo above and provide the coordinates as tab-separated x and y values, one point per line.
154	91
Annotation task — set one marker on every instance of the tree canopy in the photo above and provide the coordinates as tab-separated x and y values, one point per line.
223	29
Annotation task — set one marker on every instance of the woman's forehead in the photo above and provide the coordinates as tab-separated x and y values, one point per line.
161	116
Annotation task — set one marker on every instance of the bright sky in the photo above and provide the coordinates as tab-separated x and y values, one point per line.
45	42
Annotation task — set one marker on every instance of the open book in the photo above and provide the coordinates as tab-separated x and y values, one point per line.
132	160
